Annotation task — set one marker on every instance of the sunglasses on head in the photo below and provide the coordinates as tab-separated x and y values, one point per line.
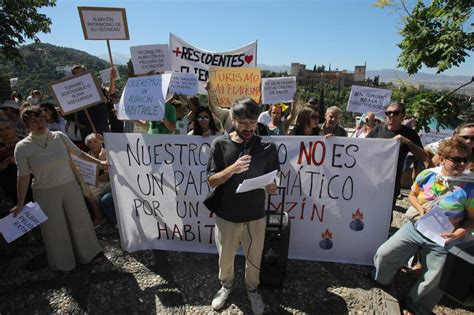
468	138
392	113
199	118
458	159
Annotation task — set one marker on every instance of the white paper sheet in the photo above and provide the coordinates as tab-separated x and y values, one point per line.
30	217
257	182
433	223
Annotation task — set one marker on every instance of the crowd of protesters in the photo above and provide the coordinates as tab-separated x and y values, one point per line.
36	143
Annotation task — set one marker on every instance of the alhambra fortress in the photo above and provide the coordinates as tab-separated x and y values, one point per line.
337	77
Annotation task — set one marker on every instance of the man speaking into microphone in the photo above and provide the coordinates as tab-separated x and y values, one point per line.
240	217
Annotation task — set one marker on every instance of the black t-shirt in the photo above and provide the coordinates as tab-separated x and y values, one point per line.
381	132
247	206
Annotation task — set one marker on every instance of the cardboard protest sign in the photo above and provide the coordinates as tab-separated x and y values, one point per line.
105	75
146	58
365	99
159	183
103	23
13	83
88	170
435	135
190	59
143	98
30	217
229	84
183	83
276	90
77	92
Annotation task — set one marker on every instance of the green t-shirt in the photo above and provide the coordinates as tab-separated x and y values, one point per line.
156	127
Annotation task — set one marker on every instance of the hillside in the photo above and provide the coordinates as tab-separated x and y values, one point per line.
43	63
432	81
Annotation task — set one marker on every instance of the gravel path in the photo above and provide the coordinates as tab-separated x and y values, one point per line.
165	282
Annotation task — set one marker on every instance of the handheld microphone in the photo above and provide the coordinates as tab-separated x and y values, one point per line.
246	148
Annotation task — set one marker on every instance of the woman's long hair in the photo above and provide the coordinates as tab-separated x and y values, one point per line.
303	119
197	130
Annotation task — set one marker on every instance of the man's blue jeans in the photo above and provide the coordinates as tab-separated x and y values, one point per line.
107	205
396	251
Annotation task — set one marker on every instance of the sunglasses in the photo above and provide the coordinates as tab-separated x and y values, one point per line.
468	138
199	118
392	113
458	159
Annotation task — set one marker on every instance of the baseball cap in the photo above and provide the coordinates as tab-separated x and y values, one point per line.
10	104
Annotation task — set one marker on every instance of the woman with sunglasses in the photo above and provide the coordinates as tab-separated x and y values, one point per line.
204	124
307	122
466	132
452	192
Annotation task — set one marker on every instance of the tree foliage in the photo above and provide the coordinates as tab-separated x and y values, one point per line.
433	35
41	64
20	20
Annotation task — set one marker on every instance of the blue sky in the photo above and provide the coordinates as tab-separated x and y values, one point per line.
341	32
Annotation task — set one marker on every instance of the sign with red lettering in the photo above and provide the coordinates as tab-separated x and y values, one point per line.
188	58
230	84
338	193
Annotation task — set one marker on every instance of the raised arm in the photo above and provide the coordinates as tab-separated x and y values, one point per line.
291	117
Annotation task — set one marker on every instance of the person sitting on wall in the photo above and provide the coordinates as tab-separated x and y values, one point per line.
440	187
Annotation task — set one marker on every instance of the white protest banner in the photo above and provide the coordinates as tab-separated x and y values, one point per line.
433	135
146	58
30	217
103	23
105	75
365	99
190	59
339	193
88	170
143	98
183	83
276	90
77	92
13	83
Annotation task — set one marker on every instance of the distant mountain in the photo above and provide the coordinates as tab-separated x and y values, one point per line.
434	81
119	59
393	75
431	81
281	68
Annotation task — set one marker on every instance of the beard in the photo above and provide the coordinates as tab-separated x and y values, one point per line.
245	135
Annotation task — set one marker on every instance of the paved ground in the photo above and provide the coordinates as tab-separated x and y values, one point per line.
184	283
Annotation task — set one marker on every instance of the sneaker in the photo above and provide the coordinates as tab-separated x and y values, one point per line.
221	296
258	307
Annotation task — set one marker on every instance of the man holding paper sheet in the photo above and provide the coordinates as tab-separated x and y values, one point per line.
240	217
451	191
